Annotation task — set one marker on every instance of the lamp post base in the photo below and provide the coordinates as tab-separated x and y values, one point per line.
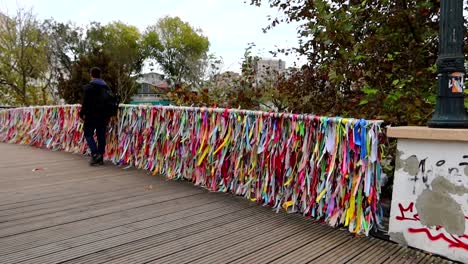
450	105
445	123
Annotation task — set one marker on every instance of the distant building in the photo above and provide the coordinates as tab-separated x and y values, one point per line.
226	79
3	20
152	90
268	69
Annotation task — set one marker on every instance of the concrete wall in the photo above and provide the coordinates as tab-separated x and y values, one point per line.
430	197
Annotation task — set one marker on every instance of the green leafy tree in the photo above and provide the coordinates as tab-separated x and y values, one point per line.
116	49
121	44
379	52
224	89
179	49
71	88
63	49
23	60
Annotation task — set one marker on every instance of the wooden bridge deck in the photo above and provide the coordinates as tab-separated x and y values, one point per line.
56	209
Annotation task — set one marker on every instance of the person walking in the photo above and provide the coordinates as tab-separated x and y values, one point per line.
95	115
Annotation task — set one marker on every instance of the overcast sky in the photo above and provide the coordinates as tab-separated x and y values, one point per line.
229	24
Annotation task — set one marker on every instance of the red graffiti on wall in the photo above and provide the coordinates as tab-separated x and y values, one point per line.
453	241
402	215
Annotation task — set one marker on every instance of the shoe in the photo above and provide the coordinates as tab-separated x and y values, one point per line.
96	159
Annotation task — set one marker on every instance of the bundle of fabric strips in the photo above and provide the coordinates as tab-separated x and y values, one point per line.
328	169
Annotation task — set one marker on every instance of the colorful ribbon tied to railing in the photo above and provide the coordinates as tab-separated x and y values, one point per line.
328	169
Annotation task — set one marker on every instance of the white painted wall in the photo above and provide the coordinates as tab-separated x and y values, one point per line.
438	188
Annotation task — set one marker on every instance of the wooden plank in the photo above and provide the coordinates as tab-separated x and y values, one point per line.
401	252
80	228
377	253
165	235
227	230
79	214
16	156
347	251
75	194
37	172
96	184
410	256
278	228
245	216
90	212
389	254
195	215
269	247
80	201
315	248
68	204
89	177
123	196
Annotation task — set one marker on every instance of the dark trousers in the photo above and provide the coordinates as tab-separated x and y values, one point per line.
100	127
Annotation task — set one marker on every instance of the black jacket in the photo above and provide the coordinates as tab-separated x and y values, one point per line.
93	106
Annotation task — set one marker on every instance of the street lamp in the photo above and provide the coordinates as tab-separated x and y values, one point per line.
450	111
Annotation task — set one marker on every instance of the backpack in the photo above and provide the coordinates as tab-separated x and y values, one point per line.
111	102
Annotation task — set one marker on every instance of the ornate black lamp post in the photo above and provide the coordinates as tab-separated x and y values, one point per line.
450	111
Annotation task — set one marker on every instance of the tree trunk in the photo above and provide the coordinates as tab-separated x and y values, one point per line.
44	95
24	89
